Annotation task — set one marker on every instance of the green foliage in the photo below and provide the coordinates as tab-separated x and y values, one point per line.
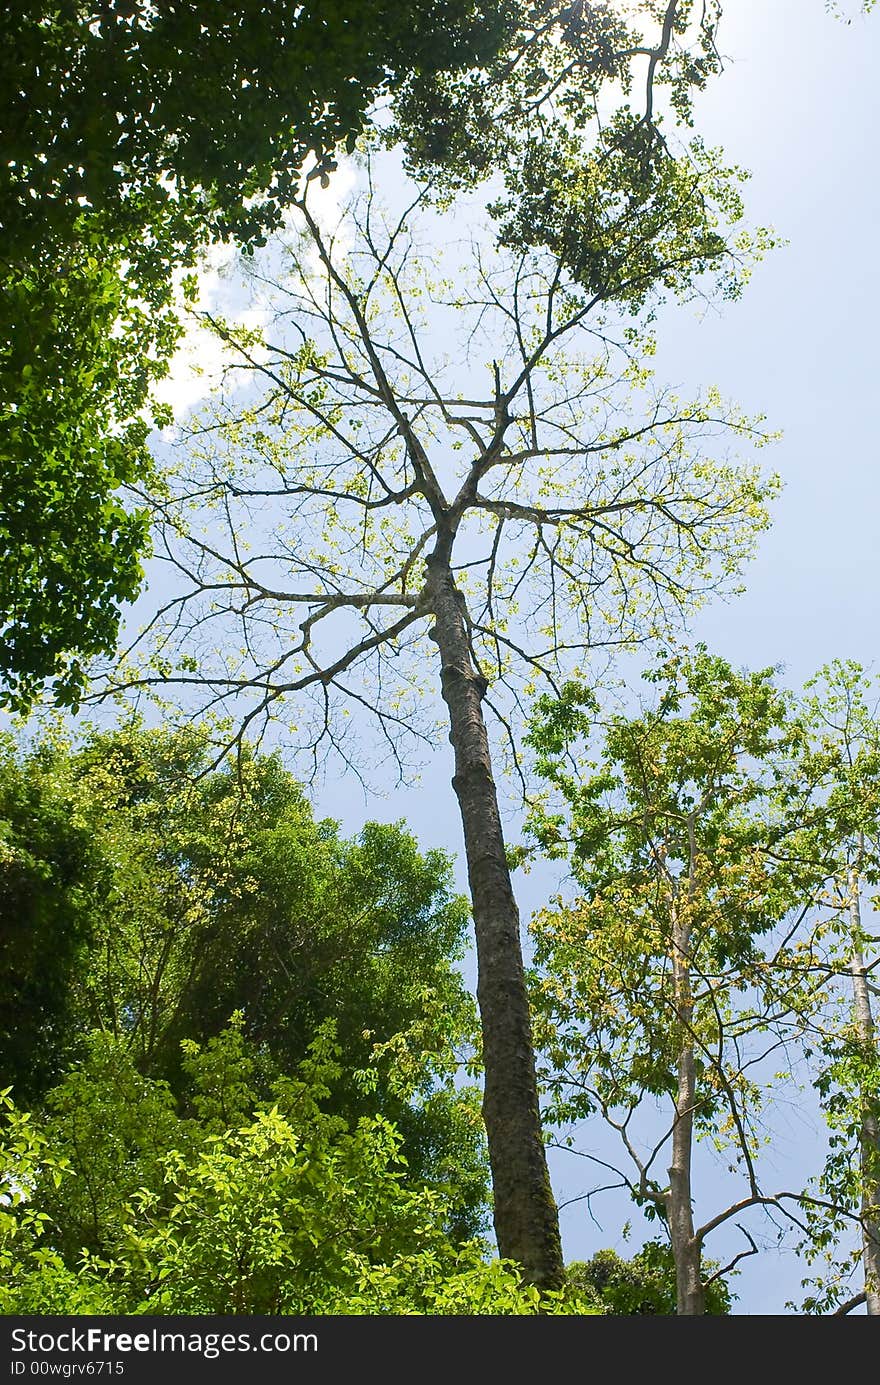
33	1276
624	211
333	544
48	900
78	349
646	517
111	1128
549	74
472	1286
294	1211
268	1211
153	898
627	231
644	1285
222	1075
99	105
674	821
841	761
732	808
132	135
680	952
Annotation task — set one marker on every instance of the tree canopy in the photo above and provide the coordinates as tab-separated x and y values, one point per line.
430	487
383	510
115	1205
133	135
144	902
227	980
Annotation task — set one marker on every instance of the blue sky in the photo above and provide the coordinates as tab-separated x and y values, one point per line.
798	107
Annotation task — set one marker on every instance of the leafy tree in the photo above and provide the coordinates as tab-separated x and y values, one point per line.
534	116
676	975
644	1285
133	135
294	1211
48	899
101	103
196	894
111	1129
33	1276
377	514
79	345
631	247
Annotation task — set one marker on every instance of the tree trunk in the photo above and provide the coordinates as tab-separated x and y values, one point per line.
686	1249
869	1134
526	1220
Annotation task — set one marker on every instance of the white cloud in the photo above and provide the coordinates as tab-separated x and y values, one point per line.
198	364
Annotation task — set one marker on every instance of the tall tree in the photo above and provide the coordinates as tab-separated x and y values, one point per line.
378	513
673	978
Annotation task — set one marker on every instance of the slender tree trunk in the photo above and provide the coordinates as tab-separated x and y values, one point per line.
686	1249
526	1220
869	1133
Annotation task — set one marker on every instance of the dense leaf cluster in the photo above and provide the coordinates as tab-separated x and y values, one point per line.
141	901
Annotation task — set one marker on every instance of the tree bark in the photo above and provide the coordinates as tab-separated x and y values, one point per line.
525	1215
869	1133
686	1249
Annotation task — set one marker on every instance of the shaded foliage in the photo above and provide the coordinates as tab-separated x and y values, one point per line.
198	894
48	871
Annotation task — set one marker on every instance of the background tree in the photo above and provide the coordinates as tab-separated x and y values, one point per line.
291	1210
376	501
48	896
670	985
642	1286
843	750
116	1133
149	904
